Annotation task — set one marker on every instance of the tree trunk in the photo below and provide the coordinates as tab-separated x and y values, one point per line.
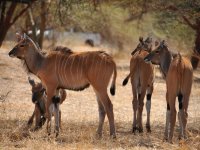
195	60
43	23
3	32
7	18
33	25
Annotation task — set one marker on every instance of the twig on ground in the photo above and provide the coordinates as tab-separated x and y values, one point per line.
3	97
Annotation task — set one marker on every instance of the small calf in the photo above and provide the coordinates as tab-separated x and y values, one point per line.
39	98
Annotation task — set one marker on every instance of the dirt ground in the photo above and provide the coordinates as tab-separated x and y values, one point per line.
80	115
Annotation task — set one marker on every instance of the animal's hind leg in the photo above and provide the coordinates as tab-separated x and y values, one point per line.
148	107
166	134
37	118
172	99
140	110
102	115
183	115
60	119
108	107
135	107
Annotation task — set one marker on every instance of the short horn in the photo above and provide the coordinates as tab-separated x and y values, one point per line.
19	36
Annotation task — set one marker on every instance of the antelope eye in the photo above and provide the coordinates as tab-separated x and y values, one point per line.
157	52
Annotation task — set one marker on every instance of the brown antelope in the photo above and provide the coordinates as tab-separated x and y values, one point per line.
73	71
142	76
39	98
178	73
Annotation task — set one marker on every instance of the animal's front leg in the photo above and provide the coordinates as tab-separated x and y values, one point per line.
30	121
37	118
49	109
56	102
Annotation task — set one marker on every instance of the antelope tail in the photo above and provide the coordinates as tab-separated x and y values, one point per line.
112	88
126	79
180	71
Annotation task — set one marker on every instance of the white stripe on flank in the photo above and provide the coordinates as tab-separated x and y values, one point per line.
77	69
71	69
65	74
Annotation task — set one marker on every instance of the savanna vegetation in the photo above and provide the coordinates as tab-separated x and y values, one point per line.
120	23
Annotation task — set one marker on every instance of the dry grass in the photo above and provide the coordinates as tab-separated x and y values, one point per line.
80	115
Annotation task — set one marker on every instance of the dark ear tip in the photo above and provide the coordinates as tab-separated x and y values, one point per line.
31	81
141	39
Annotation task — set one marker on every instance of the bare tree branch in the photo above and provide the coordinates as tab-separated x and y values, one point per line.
193	26
138	15
187	21
10	12
21	13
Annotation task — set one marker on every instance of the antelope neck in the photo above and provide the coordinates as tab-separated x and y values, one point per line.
165	62
33	60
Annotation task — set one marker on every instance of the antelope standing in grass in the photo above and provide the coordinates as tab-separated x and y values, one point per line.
142	76
39	98
73	71
178	73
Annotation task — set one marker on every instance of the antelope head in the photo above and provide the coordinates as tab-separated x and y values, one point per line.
21	47
37	90
143	45
157	56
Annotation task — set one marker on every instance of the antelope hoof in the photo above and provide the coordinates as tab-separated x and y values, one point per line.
148	128
48	131
140	129
182	137
35	129
170	141
98	135
113	136
134	130
30	122
56	131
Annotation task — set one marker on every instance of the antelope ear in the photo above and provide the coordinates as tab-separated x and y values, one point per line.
156	43
164	43
24	36
43	90
31	81
19	37
148	40
141	39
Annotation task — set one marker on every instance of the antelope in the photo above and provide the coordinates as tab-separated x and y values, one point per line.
178	73
39	98
142	77
73	71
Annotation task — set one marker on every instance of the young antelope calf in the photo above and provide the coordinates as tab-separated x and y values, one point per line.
178	73
142	75
39	98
